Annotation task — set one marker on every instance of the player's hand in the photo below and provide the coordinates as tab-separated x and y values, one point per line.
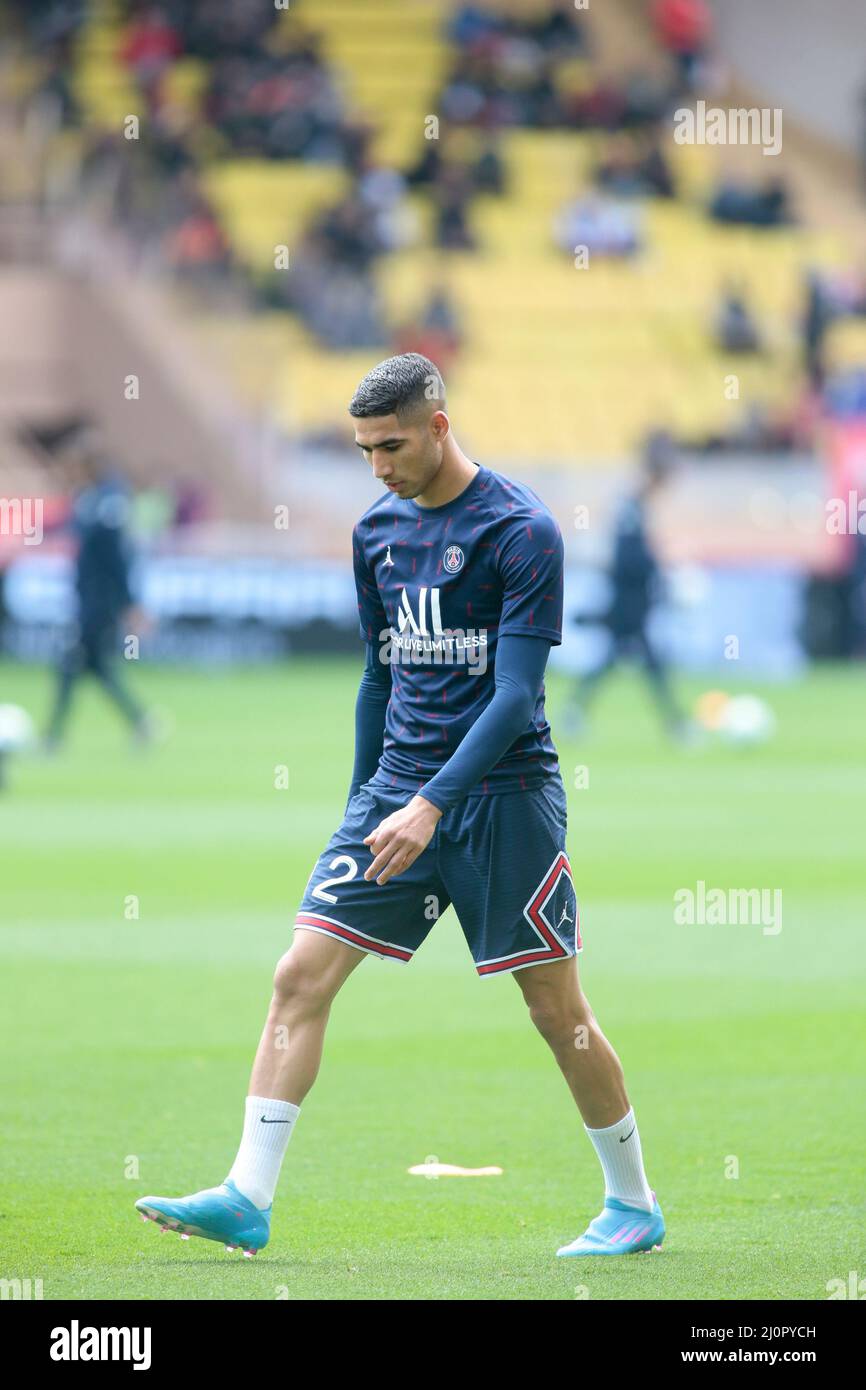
400	838
138	620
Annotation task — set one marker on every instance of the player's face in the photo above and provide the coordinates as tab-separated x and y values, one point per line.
405	454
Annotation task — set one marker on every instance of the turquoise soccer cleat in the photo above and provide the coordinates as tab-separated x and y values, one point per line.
620	1229
216	1213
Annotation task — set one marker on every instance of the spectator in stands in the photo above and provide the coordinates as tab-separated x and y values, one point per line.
603	227
484	163
539	103
149	45
617	173
655	170
734	328
437	333
383	193
305	116
818	314
440	316
452	193
634	167
766	206
685	29
332	286
484	28
488	170
211	28
558	30
346	311
645	98
427	166
509	70
283	105
357	136
51	28
49	22
467	92
347	234
515	84
473	25
54	94
597	104
197	247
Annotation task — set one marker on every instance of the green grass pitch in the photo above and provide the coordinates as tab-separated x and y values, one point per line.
128	1042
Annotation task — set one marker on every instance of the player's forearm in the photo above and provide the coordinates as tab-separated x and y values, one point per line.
371	707
520	664
504	719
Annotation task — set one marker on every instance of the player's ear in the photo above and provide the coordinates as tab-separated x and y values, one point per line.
440	425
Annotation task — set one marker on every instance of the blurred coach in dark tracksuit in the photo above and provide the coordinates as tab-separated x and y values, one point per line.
635	579
100	516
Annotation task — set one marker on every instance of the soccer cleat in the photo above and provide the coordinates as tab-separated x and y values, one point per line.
620	1229
216	1213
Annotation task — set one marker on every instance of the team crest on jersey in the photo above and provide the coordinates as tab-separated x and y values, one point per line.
453	559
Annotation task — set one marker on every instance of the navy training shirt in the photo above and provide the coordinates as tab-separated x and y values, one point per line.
102	567
437	587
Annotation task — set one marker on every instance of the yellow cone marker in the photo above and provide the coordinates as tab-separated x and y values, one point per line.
452	1170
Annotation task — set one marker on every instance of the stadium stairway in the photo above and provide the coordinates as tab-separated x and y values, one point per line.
68	347
391	57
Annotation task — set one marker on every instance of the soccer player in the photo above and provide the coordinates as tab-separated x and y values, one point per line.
455	796
102	586
635	579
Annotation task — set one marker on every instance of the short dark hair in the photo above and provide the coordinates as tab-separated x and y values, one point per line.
397	386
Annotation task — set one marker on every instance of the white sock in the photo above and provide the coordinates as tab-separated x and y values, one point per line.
268	1126
618	1149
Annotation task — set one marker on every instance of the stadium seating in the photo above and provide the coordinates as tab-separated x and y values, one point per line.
557	364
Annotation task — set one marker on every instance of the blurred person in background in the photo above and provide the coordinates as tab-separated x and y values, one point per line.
635	582
734	327
601	226
559	29
149	46
334	289
437	330
100	516
452	194
767	205
634	166
818	314
488	172
194	244
684	27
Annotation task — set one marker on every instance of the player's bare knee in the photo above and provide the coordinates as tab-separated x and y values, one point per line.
554	1018
298	986
556	1012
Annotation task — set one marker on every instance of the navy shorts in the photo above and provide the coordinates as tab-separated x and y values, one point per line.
499	858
